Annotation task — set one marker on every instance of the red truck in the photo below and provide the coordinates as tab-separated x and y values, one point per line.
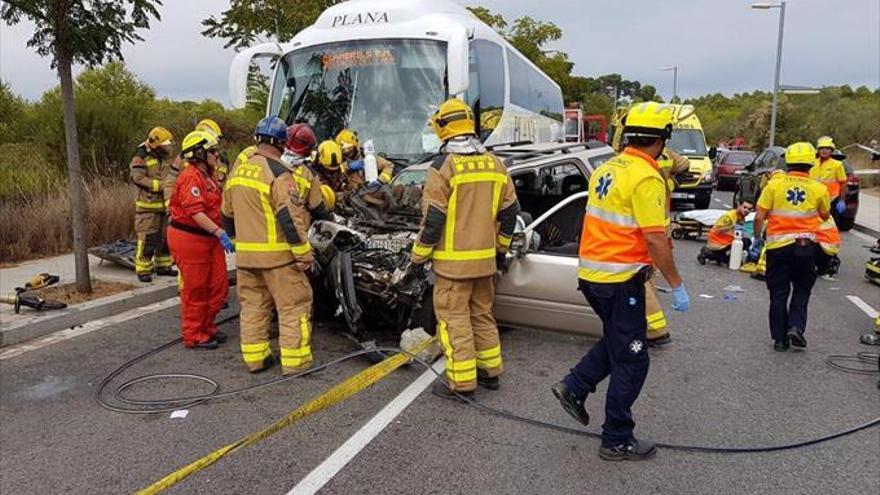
580	128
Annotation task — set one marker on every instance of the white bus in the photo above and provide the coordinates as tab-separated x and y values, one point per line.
382	67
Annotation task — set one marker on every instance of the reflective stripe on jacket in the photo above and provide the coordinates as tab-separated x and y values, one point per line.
793	204
270	228
146	172
828	236
613	247
721	234
469	211
831	173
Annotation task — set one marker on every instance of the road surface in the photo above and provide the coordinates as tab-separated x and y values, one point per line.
718	383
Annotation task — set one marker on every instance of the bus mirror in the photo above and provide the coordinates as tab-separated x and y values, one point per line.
238	71
457	68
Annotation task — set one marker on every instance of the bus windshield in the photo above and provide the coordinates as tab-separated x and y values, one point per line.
384	90
688	142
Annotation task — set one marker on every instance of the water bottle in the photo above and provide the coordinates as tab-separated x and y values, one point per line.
371	169
736	251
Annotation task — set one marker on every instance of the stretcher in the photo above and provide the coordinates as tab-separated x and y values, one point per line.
693	224
120	252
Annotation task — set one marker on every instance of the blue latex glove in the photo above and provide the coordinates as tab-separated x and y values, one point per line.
840	206
356	165
680	299
755	250
226	242
374	184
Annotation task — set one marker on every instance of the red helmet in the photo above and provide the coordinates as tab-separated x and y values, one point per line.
301	139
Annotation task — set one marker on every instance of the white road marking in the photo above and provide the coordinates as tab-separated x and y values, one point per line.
871	312
331	466
727	205
62	335
717	200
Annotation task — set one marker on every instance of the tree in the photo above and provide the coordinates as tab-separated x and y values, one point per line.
246	20
87	32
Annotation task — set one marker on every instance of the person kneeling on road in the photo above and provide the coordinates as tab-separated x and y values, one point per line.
193	238
793	207
261	210
469	211
623	237
721	235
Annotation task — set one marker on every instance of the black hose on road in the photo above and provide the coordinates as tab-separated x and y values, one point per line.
170	404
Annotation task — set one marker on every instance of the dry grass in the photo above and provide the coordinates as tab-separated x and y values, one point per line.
38	225
67	293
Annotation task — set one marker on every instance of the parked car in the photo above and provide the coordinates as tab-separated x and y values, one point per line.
729	165
754	176
363	258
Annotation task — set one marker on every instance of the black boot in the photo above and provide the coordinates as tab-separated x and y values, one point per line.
489	382
441	389
701	258
796	337
573	406
268	362
659	341
780	345
207	346
632	450
166	272
145	277
220	337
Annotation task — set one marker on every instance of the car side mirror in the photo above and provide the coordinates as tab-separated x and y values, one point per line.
713	152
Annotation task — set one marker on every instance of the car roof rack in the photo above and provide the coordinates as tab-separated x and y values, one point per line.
523	153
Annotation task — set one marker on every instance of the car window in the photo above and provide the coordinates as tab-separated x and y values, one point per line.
597	161
560	232
779	161
410	177
737	158
541	188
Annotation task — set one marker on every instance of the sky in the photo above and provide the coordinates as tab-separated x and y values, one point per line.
719	45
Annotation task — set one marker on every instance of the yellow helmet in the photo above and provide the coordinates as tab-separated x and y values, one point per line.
649	119
825	142
329	196
211	126
330	155
801	153
453	118
159	136
347	139
196	142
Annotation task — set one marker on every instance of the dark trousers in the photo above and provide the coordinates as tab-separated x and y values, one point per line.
723	255
791	271
621	353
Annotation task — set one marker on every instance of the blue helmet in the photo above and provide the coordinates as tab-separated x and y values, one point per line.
272	128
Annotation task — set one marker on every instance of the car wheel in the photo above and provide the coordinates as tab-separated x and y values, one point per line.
703	200
424	317
846	224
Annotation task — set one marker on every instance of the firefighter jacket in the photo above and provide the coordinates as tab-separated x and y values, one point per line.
831	173
627	200
308	192
721	234
147	171
243	156
170	179
469	210
794	205
260	212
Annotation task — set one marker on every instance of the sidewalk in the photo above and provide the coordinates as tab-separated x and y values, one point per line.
29	323
869	212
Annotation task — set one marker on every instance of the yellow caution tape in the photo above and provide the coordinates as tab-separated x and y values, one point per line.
331	397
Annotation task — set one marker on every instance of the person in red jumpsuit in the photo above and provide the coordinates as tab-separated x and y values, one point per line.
197	242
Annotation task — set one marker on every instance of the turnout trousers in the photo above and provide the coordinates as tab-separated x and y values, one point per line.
286	289
621	354
654	312
791	271
152	247
203	283
467	329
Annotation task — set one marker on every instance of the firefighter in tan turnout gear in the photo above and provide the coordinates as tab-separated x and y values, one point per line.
469	209
147	170
263	213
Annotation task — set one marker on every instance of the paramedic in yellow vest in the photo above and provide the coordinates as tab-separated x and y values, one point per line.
722	234
272	255
469	212
623	238
831	173
793	208
147	169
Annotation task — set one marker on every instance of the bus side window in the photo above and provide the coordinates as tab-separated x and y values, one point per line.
486	94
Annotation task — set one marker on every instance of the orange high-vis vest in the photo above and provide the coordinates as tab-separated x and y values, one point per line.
793	204
721	234
831	173
627	199
828	237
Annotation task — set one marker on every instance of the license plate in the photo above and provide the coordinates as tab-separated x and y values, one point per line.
677	195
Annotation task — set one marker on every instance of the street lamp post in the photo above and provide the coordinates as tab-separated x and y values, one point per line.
674	70
781	7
